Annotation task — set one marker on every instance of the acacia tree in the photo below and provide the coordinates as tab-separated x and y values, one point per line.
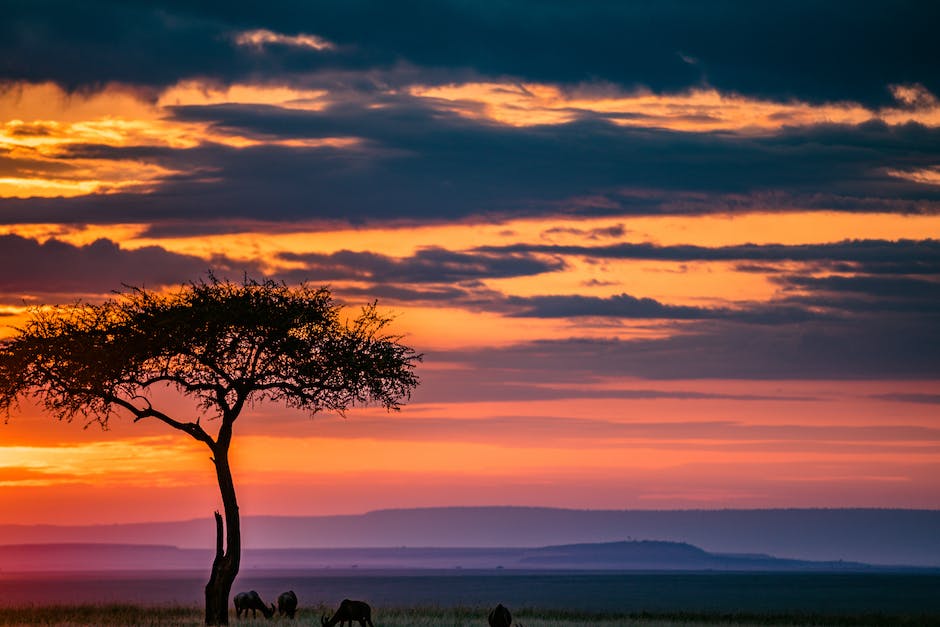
225	345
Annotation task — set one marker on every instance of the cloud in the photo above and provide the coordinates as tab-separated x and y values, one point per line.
428	265
841	325
452	296
619	305
614	231
931	399
597	155
30	267
25	476
868	256
540	431
865	294
737	48
497	384
411	161
440	275
894	346
261	38
627	307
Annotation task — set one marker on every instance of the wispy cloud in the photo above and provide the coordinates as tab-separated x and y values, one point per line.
141	461
263	37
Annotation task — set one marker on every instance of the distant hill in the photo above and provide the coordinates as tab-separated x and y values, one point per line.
659	555
874	536
629	555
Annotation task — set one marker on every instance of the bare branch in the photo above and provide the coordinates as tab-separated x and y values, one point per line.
192	428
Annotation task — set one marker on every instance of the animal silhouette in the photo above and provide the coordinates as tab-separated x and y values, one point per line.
348	612
251	600
287	604
500	617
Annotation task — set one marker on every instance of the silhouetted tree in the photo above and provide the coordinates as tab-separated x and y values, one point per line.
225	345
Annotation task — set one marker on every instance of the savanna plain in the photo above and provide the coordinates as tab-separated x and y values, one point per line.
191	616
537	600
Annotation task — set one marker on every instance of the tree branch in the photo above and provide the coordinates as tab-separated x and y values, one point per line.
192	428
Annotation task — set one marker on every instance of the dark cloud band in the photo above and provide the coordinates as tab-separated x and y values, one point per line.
803	49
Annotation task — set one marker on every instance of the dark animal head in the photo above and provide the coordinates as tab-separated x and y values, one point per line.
500	617
287	603
251	600
350	611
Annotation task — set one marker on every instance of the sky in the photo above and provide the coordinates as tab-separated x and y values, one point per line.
661	255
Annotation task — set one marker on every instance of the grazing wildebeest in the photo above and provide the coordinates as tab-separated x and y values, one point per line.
500	617
287	603
348	612
251	600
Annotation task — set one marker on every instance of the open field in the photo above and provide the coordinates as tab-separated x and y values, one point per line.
462	599
189	616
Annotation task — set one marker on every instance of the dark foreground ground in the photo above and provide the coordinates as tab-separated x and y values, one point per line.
560	598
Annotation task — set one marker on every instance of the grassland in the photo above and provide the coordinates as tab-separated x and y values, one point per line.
190	616
446	599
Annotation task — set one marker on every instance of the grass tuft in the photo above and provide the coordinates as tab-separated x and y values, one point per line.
190	616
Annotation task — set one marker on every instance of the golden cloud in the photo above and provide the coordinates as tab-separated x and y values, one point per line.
697	110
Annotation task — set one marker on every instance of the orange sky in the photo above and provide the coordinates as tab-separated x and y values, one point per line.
634	335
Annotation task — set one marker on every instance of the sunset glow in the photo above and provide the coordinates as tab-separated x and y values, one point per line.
700	281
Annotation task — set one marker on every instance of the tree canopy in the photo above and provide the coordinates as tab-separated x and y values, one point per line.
226	346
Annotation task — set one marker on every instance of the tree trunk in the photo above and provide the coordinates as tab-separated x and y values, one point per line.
225	565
